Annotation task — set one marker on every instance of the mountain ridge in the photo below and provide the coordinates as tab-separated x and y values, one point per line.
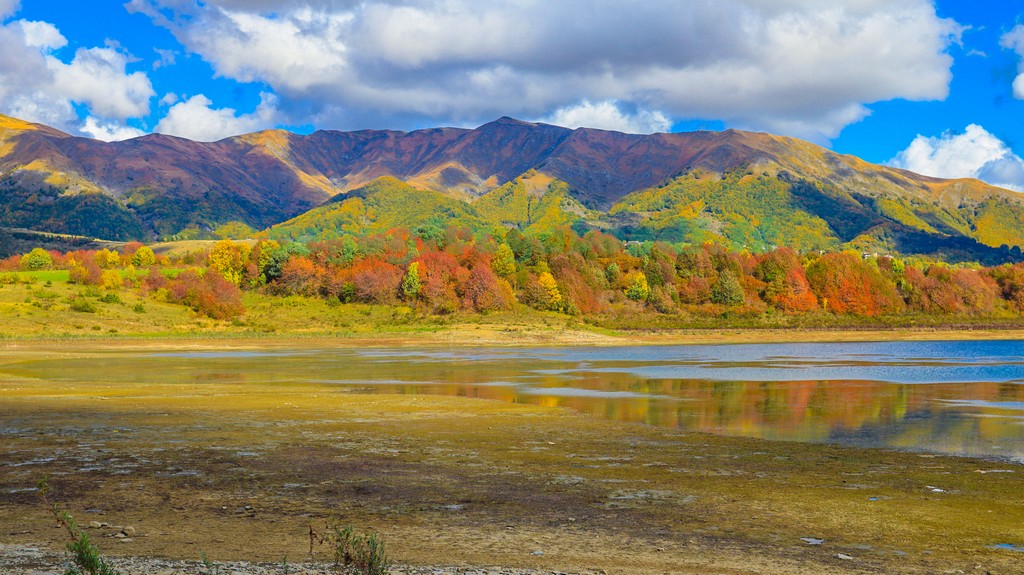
164	186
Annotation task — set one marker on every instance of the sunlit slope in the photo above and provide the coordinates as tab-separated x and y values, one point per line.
534	203
383	204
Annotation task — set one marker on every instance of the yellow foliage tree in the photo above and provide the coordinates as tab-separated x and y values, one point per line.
554	297
143	257
107	259
111	279
228	259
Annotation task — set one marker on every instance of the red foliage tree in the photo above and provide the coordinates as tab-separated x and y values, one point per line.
208	294
846	283
377	281
485	291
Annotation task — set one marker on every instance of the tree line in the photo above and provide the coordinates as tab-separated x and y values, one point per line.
457	270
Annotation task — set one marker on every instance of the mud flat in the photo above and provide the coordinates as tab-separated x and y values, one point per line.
240	471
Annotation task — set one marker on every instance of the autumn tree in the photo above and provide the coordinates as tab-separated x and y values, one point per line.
377	281
228	259
504	262
846	283
37	259
143	257
209	294
552	296
637	288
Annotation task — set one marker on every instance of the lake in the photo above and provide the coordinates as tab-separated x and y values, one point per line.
954	397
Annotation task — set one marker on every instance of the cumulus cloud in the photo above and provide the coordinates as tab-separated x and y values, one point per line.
609	116
802	67
197	119
975	153
8	8
1014	40
109	131
42	35
38	86
97	77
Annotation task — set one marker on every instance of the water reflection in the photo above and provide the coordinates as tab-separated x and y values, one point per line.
953	397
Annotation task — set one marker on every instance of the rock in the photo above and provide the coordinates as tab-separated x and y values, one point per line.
812	540
95	524
844	556
128	530
537	553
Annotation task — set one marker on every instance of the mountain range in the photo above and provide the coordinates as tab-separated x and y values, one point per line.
747	190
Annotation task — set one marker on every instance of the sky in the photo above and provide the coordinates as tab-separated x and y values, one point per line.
936	87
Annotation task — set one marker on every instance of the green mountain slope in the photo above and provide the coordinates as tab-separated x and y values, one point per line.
383	204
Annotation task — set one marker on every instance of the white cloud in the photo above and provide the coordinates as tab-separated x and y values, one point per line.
169	99
38	86
975	153
97	77
1014	40
109	131
167	58
42	35
608	116
196	119
8	8
804	67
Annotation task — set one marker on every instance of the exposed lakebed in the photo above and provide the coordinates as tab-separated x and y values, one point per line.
956	397
236	450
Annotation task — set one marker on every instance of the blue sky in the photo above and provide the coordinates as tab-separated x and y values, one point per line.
920	84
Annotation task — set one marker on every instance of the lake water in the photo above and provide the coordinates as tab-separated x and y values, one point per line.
948	397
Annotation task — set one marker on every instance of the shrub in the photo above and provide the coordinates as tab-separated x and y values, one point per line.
85	556
110	297
82	305
365	552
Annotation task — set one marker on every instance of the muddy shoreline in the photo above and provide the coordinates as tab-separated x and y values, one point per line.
240	472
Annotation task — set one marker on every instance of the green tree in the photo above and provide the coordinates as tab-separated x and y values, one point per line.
37	259
504	262
349	250
728	290
411	284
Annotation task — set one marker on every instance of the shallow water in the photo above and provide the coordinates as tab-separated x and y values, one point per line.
951	397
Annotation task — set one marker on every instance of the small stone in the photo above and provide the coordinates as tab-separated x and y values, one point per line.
537	553
844	557
120	535
95	524
126	540
812	540
128	530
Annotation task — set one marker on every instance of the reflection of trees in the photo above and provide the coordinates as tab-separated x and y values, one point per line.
860	412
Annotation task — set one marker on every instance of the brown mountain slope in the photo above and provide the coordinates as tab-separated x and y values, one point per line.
160	185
